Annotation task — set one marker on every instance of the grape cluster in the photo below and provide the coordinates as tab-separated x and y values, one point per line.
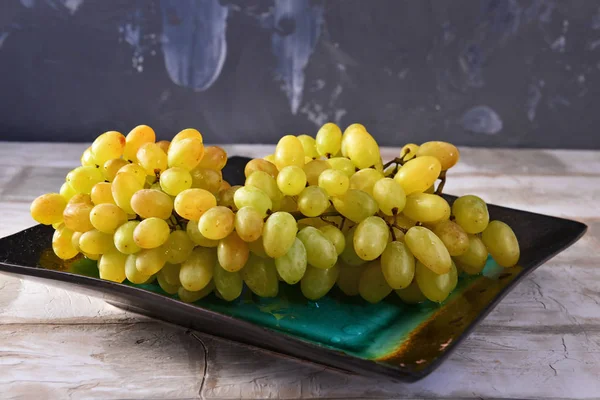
319	211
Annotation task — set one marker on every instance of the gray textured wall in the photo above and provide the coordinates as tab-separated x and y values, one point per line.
489	72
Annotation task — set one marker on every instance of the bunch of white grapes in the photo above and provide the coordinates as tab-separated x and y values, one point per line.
318	212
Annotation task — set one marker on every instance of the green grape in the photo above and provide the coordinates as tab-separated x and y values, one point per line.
502	243
398	265
288	204
185	153
349	279
111	266
434	286
313	201
197	237
372	285
132	273
342	164
87	158
334	182
215	158
107	217
123	188
371	238
151	157
309	145
292	265
279	233
48	208
428	249
360	147
111	167
389	196
266	183
216	223
249	224
137	171
107	146
232	252
453	236
259	164
62	243
228	284
409	151
188	133
474	259
471	213
95	242
446	153
355	205
190	297
197	271
123	238
225	197
83	179
412	294
329	140
66	191
250	196
291	180
102	193
418	174
289	151
335	236
257	248
313	170
148	203
425	207
349	255
320	252
260	275
178	247
365	179
135	139
170	273
151	233
207	179
192	203
166	286
175	180
317	282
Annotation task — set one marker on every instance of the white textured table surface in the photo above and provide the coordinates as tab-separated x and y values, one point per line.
542	341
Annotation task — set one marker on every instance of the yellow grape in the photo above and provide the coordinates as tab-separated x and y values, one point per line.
75	240
398	265
288	204
190	297
249	224
412	294
138	136
313	169
355	205
149	203
228	284
48	208
150	261
289	151
419	174
175	180
192	203
123	188
260	275
334	182
214	157
224	185
83	179
349	278
425	207
107	146
454	237
291	180
107	217
309	145
436	287
178	247
170	273
446	153
502	243
87	158
471	213
279	233
371	238
136	170
102	193
320	252
67	191
317	282
329	140
372	285
389	196
188	133
225	197
151	233
164	145
266	183
62	243
164	285
257	248
185	153
151	157
131	272
216	223
123	238
95	242
250	196
292	265
474	259
232	252
194	233
111	266
259	164
94	257
428	249
76	216
409	151
365	180
111	167
207	179
313	201
342	164
335	236
197	271
360	147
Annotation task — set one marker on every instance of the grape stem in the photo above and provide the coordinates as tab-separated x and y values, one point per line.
440	187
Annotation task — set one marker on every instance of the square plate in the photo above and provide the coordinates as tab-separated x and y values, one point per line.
390	338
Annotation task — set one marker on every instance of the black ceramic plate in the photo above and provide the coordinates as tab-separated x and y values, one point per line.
390	338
